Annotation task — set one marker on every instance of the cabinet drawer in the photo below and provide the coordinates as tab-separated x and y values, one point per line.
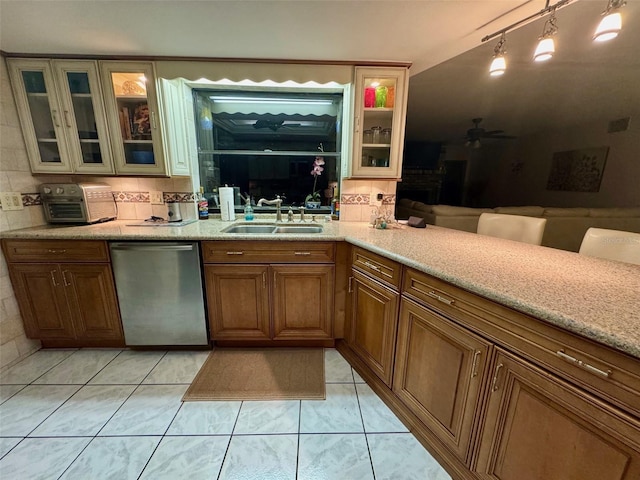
376	266
268	252
55	251
597	368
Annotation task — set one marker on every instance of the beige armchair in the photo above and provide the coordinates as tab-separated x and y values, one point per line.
512	227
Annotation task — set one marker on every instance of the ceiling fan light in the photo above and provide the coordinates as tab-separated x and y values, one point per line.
608	28
545	49
498	66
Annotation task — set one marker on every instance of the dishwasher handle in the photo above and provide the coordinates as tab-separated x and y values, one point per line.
152	247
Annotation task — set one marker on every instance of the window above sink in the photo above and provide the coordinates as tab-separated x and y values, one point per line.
265	141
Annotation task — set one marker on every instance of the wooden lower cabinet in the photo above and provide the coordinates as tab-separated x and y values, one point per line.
372	325
270	302
302	301
439	374
70	304
538	427
238	301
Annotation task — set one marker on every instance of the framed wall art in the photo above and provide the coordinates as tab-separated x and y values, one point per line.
577	170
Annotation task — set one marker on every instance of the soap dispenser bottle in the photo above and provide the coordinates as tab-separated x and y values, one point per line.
248	209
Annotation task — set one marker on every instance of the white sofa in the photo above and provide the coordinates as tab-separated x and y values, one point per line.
565	226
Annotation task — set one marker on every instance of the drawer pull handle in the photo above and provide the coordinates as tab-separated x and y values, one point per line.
350	288
373	267
54	113
66	118
153	120
64	278
53	278
235	253
433	294
495	386
264	279
586	366
57	251
474	365
302	253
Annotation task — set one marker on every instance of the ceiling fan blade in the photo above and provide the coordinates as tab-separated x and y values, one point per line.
503	136
492	132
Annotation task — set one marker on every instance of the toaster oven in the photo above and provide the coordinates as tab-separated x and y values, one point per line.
78	202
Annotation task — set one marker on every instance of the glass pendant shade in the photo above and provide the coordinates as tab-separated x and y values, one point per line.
498	66
545	50
608	28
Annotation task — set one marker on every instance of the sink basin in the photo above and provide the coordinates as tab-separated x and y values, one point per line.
249	228
299	229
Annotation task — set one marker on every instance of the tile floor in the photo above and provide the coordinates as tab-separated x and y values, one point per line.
116	414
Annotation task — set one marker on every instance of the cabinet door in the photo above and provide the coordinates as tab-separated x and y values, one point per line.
41	115
372	327
238	301
177	125
92	301
438	374
537	427
380	110
84	115
40	292
132	114
302	301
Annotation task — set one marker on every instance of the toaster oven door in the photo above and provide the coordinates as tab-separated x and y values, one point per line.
59	211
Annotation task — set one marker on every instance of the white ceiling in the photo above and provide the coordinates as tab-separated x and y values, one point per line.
426	33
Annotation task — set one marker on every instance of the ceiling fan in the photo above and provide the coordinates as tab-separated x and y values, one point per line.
475	134
274	125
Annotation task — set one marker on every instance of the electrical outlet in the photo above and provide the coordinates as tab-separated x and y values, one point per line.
11	201
375	199
156	198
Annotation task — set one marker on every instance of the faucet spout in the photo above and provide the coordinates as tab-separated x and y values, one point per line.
277	202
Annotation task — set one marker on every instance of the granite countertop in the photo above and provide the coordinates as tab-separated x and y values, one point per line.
597	299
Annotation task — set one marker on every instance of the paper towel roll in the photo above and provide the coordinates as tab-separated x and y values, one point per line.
227	211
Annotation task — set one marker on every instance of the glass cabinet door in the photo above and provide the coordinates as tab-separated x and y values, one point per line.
84	115
379	122
134	125
41	115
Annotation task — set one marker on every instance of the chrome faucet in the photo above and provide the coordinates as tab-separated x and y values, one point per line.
277	202
302	215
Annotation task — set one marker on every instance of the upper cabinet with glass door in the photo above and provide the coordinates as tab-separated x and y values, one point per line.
132	109
62	115
379	121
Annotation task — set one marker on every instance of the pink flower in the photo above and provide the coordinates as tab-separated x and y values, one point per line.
317	168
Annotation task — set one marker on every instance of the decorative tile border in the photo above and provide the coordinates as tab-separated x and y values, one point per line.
354	199
31	199
131	197
389	199
182	197
144	197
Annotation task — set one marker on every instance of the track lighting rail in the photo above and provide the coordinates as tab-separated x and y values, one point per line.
548	8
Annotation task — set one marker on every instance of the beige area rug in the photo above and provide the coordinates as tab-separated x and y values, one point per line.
260	374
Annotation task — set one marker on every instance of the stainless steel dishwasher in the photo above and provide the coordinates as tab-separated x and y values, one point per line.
160	292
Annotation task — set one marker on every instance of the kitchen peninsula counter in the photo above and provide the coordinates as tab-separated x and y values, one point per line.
594	298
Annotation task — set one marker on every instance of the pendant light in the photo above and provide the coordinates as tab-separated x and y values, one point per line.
546	46
499	63
611	24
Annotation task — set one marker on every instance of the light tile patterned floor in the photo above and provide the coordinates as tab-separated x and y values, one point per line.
116	414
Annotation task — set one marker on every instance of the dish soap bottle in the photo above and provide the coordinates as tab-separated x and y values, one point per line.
248	209
203	205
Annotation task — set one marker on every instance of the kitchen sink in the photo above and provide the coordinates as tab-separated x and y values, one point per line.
250	228
299	229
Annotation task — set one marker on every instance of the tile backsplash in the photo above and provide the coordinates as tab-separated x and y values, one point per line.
357	199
